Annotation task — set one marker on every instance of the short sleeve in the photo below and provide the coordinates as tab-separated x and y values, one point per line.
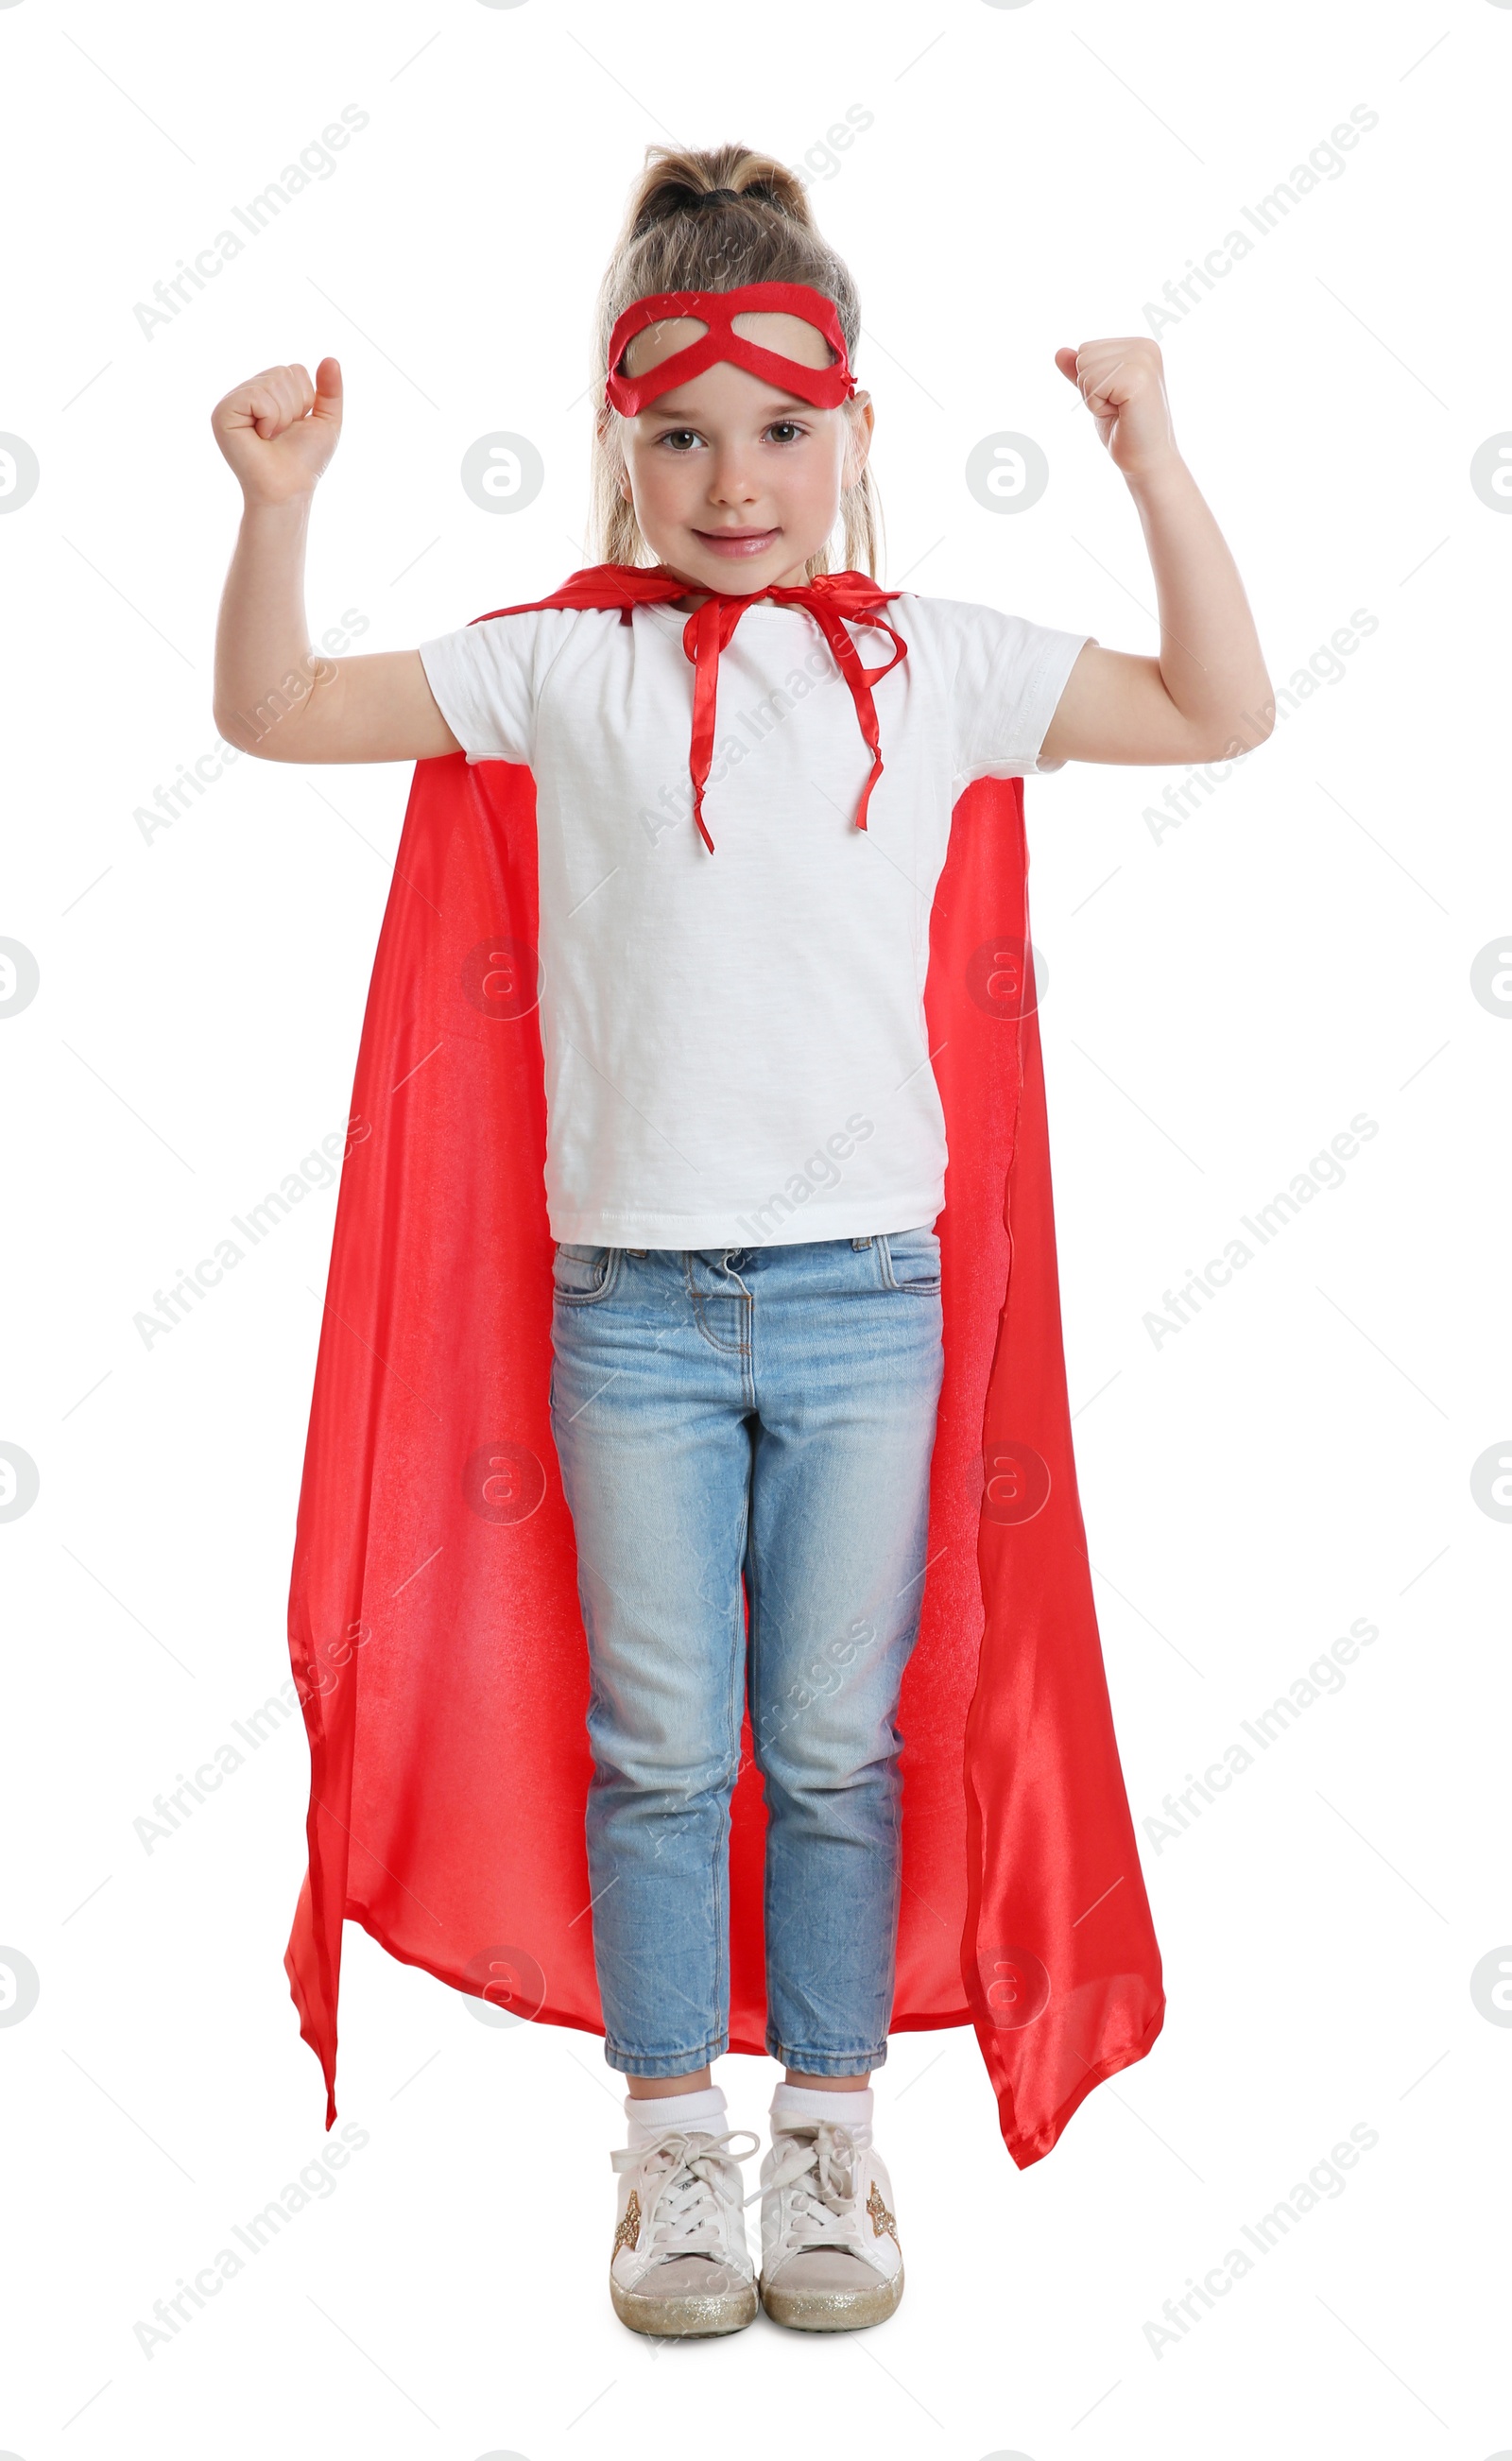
1009	675
485	679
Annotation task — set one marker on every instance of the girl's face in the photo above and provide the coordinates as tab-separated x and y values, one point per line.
735	482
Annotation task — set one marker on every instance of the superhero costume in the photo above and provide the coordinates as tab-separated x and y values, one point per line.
435	1627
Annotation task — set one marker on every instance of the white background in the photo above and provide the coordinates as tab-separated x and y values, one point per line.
1221	1002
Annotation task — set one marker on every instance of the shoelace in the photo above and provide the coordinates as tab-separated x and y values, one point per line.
695	2185
824	2156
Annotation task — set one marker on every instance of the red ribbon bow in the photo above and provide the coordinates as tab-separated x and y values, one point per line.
833	599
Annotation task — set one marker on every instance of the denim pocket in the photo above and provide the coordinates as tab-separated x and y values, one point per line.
911	1260
581	1274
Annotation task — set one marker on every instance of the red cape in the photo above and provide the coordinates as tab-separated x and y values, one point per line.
433	1622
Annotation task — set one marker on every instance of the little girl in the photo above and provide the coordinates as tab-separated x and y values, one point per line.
744	1148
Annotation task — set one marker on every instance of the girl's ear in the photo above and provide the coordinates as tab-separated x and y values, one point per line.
861	419
622	480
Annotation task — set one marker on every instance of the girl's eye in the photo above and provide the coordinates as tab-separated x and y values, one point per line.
681	439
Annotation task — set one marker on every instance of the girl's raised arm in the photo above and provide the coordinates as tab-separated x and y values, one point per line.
274	695
1207	696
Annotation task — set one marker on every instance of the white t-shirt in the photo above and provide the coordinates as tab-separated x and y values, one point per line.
735	1046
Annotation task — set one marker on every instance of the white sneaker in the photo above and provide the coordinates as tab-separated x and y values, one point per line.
681	2264
830	2258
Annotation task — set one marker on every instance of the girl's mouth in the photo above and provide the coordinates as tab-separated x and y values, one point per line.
738	543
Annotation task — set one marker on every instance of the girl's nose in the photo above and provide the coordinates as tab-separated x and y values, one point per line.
732	482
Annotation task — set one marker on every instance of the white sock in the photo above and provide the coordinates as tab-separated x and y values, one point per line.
799	2105
651	2115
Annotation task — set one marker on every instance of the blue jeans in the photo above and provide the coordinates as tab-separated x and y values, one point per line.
773	1410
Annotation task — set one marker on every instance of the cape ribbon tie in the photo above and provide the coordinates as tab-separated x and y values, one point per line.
832	598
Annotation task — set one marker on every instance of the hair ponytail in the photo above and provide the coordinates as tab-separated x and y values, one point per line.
715	221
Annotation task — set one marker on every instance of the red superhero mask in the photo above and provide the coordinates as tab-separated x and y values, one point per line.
716	312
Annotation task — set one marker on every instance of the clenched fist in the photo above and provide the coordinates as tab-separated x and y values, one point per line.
278	431
1123	385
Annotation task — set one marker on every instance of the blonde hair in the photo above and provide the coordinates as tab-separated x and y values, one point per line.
756	228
